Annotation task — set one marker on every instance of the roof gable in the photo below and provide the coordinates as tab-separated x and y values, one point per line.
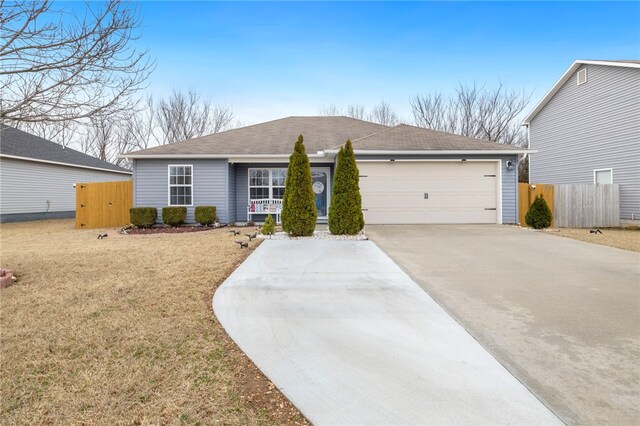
19	144
567	75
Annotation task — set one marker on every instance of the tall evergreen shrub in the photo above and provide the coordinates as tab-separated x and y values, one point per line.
299	212
539	215
345	211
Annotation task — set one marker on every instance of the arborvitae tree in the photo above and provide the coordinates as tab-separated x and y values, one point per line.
345	212
269	226
283	215
539	215
299	212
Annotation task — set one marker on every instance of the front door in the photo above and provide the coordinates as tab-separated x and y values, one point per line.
320	180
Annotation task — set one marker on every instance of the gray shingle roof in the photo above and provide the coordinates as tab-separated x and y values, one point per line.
320	133
272	137
17	143
412	138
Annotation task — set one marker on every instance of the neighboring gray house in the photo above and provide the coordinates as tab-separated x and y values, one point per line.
587	130
408	174
37	176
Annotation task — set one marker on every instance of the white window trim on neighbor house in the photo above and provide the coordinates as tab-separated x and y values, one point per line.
595	173
327	170
170	185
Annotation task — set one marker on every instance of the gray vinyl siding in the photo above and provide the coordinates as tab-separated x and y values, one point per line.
210	185
509	177
242	184
26	186
592	126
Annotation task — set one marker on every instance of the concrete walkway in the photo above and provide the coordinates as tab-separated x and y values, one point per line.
349	338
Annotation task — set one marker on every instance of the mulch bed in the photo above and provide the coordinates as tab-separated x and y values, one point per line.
167	230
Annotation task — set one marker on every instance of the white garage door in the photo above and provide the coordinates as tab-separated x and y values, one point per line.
402	192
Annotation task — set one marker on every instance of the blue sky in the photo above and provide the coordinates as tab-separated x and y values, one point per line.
270	60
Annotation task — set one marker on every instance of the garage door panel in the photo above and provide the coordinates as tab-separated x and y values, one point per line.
381	217
457	192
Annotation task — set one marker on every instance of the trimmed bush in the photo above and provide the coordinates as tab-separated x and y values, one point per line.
205	215
539	215
143	217
174	216
299	212
269	226
345	211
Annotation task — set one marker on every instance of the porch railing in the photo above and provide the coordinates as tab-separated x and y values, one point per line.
265	206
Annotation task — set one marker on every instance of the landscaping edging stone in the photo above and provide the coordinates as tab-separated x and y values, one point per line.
317	235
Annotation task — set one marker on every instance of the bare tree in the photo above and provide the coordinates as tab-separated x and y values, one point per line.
56	65
61	132
356	111
384	114
108	137
141	127
476	112
330	110
523	171
99	138
185	116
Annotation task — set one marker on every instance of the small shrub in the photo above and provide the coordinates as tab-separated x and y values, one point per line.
205	215
174	216
269	226
539	215
143	217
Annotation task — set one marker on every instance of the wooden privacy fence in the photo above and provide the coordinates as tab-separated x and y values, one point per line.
103	204
575	205
527	193
587	206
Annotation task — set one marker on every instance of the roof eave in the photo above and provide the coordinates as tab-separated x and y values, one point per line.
440	152
320	154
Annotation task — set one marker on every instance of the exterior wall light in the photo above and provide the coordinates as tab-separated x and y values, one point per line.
510	165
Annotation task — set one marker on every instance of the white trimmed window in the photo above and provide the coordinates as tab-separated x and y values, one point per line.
266	183
180	185
603	176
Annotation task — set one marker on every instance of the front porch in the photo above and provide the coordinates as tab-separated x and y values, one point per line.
258	189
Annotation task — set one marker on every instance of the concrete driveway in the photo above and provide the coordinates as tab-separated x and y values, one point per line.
562	315
349	338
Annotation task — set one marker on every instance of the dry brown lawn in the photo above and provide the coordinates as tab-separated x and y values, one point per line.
626	239
121	331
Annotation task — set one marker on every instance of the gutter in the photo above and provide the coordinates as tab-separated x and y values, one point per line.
320	154
37	160
438	152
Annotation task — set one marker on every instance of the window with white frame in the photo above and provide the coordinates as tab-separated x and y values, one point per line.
267	183
603	176
181	185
